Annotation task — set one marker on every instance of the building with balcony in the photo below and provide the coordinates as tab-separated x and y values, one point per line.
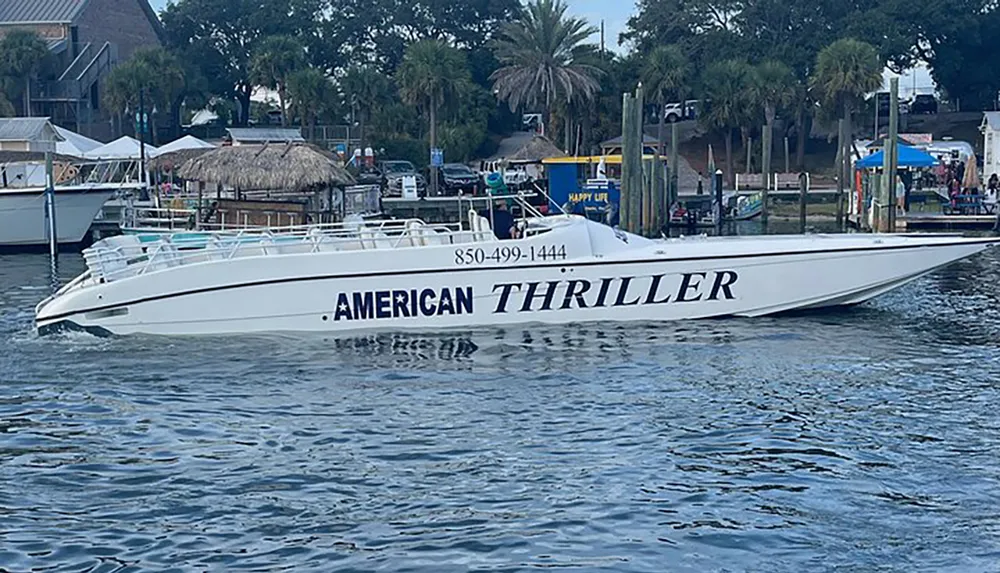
87	39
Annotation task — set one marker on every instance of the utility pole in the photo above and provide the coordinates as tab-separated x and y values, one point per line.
142	138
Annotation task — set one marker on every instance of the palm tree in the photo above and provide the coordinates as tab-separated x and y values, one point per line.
365	89
540	57
726	86
21	53
309	92
666	76
121	90
773	87
431	75
272	61
168	83
846	70
155	72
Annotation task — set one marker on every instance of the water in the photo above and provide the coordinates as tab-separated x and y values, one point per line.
864	440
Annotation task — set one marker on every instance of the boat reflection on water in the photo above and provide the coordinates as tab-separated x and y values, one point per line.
539	343
431	347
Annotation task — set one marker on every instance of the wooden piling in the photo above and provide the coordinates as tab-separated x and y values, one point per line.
788	164
624	203
803	200
748	170
636	158
765	170
889	158
720	211
673	188
841	145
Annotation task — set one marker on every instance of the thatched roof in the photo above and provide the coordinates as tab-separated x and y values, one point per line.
537	149
174	159
272	167
32	156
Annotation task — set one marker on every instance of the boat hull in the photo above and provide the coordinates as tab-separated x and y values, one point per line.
665	282
22	215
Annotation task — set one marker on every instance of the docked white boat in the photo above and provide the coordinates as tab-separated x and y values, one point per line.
410	275
22	213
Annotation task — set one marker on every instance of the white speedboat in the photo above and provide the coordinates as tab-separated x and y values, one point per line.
398	275
22	213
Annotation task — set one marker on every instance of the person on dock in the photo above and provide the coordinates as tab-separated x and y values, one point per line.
900	196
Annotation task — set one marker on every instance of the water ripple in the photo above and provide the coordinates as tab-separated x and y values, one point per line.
858	440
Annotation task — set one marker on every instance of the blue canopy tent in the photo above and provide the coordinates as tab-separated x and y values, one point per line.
907	157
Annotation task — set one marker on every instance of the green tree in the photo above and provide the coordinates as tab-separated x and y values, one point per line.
311	94
217	36
377	32
272	61
667	76
773	87
961	56
21	56
541	58
846	70
727	87
432	75
365	90
121	88
155	72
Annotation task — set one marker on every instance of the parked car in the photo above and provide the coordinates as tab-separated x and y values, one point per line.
676	111
924	104
392	177
455	177
882	100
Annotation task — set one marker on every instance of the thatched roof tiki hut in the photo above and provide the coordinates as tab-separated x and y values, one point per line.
301	173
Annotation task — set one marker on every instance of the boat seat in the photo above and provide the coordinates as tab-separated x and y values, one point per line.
483	230
130	246
110	257
416	231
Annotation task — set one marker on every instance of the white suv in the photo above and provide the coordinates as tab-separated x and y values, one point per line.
674	112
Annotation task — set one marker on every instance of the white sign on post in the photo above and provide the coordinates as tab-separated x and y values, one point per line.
409	187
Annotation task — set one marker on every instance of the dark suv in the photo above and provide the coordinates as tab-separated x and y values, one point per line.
456	177
924	104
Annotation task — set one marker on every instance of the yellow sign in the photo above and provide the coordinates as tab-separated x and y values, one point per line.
588	197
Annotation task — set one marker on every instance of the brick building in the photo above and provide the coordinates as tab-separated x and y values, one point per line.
87	39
